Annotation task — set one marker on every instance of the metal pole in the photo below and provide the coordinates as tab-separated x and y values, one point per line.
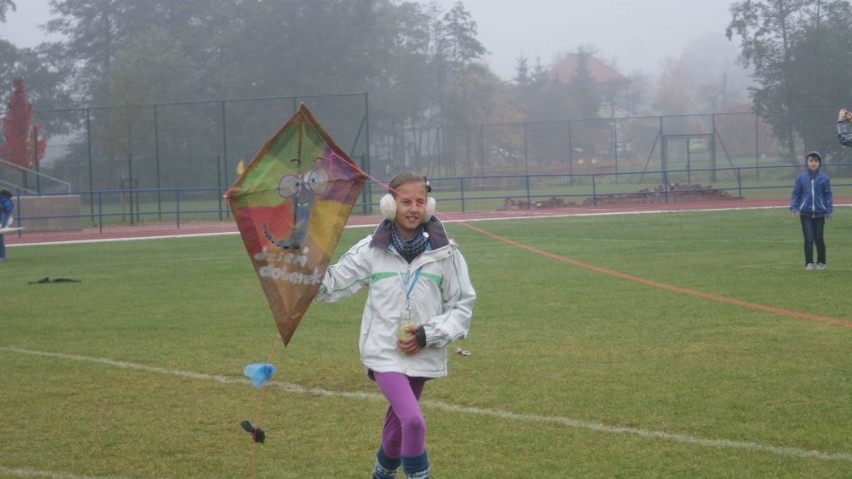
224	156
688	159
757	145
35	159
570	156
224	144
366	159
712	147
218	181
526	153
157	163
91	176
615	147
130	166
481	152
663	147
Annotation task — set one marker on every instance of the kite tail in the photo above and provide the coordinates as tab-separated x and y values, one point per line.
259	408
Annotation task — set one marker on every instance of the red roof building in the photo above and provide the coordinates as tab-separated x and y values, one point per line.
613	87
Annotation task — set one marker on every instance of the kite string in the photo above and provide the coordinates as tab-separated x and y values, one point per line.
261	393
386	185
259	406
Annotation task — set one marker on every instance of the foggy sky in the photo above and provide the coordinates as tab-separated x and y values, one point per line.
637	35
21	27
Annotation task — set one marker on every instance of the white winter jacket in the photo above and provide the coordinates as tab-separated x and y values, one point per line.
433	291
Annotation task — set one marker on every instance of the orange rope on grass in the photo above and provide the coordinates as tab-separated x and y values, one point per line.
676	289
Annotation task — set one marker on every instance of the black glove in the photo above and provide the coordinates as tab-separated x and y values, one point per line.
420	334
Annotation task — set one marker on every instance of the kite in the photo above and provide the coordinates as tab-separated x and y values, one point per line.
291	204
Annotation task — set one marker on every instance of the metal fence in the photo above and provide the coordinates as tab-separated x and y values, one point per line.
180	206
616	145
198	144
179	144
600	145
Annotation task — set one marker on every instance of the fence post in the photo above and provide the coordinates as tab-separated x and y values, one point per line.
739	183
526	156
757	145
89	150
157	164
461	192
570	155
100	212
224	146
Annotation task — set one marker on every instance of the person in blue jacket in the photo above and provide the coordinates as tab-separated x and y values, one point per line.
812	202
6	208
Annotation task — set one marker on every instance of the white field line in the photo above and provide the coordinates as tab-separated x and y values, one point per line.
454	408
17	472
129	238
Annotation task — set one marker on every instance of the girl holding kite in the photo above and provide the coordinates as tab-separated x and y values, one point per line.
419	300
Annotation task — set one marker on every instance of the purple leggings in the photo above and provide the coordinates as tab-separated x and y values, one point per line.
404	432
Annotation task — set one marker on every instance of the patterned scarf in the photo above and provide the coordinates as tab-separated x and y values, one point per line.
409	249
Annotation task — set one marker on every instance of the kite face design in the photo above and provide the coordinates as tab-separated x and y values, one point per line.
290	220
301	189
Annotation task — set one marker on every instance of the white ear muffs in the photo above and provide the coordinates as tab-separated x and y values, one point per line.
388	207
430	209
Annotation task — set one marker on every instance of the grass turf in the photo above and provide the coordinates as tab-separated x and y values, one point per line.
616	346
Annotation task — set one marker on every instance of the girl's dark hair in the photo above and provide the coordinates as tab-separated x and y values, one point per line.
407	177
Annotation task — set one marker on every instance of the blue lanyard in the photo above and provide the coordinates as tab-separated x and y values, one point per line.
410	282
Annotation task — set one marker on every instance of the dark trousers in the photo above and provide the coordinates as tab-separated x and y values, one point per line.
4	218
812	229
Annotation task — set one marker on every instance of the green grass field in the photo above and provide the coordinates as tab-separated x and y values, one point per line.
683	345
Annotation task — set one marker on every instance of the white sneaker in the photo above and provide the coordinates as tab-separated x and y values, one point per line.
820	266
809	267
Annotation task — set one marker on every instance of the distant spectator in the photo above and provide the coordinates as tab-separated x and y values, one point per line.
844	127
6	208
812	202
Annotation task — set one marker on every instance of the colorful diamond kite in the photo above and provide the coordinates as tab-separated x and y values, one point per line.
291	204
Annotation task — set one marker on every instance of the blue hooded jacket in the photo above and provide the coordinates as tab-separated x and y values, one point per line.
6	204
812	193
6	208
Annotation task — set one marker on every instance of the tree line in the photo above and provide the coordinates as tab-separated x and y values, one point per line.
422	67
